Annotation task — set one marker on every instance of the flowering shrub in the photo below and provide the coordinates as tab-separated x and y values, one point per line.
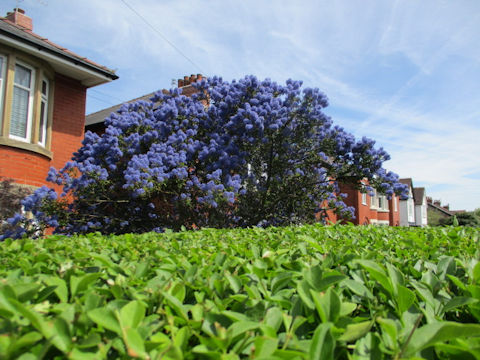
236	154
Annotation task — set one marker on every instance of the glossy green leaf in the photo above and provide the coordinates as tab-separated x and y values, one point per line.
355	331
439	332
135	343
79	284
132	314
176	305
323	343
358	288
405	298
328	305
24	341
265	347
458	301
242	327
368	348
105	318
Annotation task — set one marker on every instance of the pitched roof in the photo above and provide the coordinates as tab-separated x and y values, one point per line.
419	195
407	181
440	208
60	57
99	116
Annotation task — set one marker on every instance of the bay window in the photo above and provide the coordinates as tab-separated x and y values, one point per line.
25	101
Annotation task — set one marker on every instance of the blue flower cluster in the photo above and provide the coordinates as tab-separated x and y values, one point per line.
240	153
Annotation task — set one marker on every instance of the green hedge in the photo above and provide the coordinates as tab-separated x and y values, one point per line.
311	292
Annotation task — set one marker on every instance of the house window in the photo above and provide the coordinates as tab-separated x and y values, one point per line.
373	200
42	131
3	65
382	202
22	103
395	205
411	214
364	199
25	98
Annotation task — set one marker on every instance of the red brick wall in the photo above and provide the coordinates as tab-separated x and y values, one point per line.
394	215
23	166
383	215
68	119
30	168
363	213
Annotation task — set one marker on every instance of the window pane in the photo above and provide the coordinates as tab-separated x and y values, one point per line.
22	76
1	67
42	122
19	118
44	87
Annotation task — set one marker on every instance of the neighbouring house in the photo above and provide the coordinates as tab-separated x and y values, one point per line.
95	122
376	209
407	206
43	89
420	206
436	212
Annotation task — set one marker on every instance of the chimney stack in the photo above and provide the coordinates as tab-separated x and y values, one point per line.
447	207
437	202
187	80
19	18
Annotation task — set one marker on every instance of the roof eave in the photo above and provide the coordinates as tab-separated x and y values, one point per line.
88	74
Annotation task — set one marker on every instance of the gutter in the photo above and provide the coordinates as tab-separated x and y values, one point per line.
56	56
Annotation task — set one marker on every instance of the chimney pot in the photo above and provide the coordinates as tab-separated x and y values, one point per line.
199	77
19	18
193	78
180	83
186	80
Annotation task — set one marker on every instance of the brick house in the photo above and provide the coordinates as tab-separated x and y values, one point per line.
375	210
43	89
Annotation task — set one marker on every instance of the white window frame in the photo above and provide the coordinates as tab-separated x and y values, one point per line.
395	205
364	198
382	203
43	100
373	200
3	72
31	98
411	210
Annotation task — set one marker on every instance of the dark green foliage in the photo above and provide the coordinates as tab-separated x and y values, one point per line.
463	219
309	292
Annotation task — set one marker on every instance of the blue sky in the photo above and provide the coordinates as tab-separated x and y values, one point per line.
405	73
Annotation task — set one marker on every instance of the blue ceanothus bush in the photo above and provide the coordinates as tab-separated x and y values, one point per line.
235	154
